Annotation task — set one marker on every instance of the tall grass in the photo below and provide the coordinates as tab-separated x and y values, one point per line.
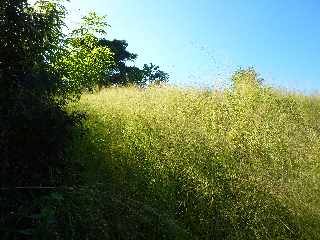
219	164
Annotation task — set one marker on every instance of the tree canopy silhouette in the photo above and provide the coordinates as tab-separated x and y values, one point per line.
122	73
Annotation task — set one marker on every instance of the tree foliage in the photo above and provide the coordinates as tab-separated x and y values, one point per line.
92	24
153	75
122	73
84	60
33	125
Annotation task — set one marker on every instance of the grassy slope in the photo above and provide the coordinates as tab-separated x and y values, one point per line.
209	165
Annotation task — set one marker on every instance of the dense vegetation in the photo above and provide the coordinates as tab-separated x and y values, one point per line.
143	162
237	164
41	71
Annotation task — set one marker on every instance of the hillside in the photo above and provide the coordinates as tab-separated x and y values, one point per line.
202	164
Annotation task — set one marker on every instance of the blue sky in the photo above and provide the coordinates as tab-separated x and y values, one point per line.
202	42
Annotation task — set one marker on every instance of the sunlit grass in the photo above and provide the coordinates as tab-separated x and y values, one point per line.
223	165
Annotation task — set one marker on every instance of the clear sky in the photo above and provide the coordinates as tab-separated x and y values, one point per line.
202	42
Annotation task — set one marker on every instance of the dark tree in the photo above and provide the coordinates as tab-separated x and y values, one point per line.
122	74
153	75
118	74
33	125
